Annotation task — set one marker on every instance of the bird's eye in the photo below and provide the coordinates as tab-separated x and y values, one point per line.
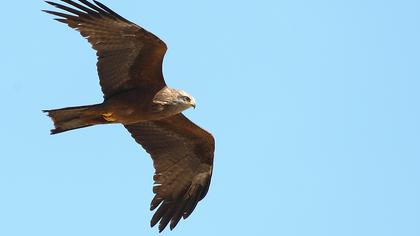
187	99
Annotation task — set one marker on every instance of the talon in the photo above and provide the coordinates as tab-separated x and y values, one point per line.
108	117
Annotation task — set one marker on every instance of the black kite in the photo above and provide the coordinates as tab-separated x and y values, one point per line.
135	95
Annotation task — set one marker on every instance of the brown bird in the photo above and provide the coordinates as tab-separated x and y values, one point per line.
136	96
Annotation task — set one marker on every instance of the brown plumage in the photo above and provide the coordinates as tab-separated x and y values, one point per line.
135	95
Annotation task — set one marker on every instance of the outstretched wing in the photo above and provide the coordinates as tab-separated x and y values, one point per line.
182	155
128	55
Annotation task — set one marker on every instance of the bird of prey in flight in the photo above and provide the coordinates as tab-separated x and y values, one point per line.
136	96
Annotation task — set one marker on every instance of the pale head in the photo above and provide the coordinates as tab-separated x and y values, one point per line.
174	99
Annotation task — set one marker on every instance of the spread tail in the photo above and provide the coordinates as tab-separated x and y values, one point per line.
70	118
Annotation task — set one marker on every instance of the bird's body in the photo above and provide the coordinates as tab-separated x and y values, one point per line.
136	96
126	108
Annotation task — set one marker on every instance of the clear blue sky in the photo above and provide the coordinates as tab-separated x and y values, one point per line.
314	106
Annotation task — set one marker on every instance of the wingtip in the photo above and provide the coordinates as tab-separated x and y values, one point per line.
162	227
61	20
153	223
49	12
51	3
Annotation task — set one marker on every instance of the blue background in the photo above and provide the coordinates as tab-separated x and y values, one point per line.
314	106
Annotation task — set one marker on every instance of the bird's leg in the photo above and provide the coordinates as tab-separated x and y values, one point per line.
108	117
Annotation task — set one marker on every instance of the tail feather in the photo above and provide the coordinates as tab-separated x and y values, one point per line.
70	118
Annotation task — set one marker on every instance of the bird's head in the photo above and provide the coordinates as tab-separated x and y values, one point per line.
175	98
184	99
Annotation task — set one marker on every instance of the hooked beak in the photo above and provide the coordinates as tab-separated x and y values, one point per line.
193	104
